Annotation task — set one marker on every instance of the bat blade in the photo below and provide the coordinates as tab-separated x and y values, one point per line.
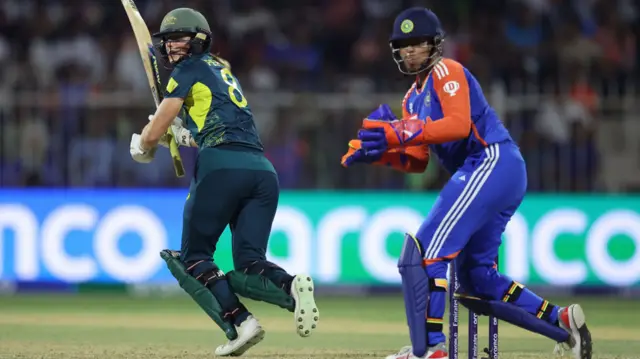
145	47
173	145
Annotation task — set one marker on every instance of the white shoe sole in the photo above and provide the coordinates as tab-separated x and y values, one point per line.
255	338
403	351
406	352
580	332
306	312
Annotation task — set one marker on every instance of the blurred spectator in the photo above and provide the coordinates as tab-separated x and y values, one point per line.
558	113
73	88
286	151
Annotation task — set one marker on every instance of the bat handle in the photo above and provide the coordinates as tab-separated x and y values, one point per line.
175	154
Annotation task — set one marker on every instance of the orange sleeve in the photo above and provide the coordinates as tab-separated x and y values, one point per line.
452	89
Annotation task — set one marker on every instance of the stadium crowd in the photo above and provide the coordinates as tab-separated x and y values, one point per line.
563	74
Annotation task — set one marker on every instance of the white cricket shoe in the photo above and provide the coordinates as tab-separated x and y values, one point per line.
438	351
306	312
250	333
572	319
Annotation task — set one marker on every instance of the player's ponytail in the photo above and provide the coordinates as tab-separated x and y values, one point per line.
221	60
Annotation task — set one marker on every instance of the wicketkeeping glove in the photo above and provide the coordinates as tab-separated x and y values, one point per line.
399	133
382	113
373	142
357	155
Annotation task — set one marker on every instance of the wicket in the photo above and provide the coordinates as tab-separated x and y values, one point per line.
454	310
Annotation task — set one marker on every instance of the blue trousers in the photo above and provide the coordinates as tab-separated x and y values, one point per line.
466	223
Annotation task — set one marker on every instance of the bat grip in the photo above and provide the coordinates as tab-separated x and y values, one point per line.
175	154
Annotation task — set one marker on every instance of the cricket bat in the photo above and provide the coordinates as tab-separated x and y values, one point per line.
150	63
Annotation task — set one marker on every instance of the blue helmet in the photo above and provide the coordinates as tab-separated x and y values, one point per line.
417	26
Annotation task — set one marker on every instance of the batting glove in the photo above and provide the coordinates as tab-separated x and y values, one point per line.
182	135
138	153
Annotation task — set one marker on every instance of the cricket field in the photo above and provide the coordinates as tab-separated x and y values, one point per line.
117	326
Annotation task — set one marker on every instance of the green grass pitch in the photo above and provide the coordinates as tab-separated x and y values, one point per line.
122	327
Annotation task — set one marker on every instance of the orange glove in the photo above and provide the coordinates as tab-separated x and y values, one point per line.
357	155
347	159
419	153
409	160
399	133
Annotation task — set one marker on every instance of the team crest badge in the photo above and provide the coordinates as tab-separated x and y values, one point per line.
171	20
406	26
427	99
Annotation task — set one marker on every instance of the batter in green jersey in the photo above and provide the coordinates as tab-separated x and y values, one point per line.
217	112
233	184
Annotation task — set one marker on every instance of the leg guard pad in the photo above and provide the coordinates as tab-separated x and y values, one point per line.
255	283
200	294
514	315
415	288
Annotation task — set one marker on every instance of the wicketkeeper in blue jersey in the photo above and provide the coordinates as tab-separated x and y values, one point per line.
445	113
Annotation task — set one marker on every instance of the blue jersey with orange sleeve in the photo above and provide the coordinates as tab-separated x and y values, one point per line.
460	121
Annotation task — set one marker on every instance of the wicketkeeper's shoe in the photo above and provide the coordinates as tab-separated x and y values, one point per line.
250	333
306	313
438	351
572	319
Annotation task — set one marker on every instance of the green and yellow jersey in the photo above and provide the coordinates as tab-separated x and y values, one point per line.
216	111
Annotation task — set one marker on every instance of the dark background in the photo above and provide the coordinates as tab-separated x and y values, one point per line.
562	75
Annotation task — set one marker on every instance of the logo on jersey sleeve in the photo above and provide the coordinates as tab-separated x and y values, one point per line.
451	87
171	85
